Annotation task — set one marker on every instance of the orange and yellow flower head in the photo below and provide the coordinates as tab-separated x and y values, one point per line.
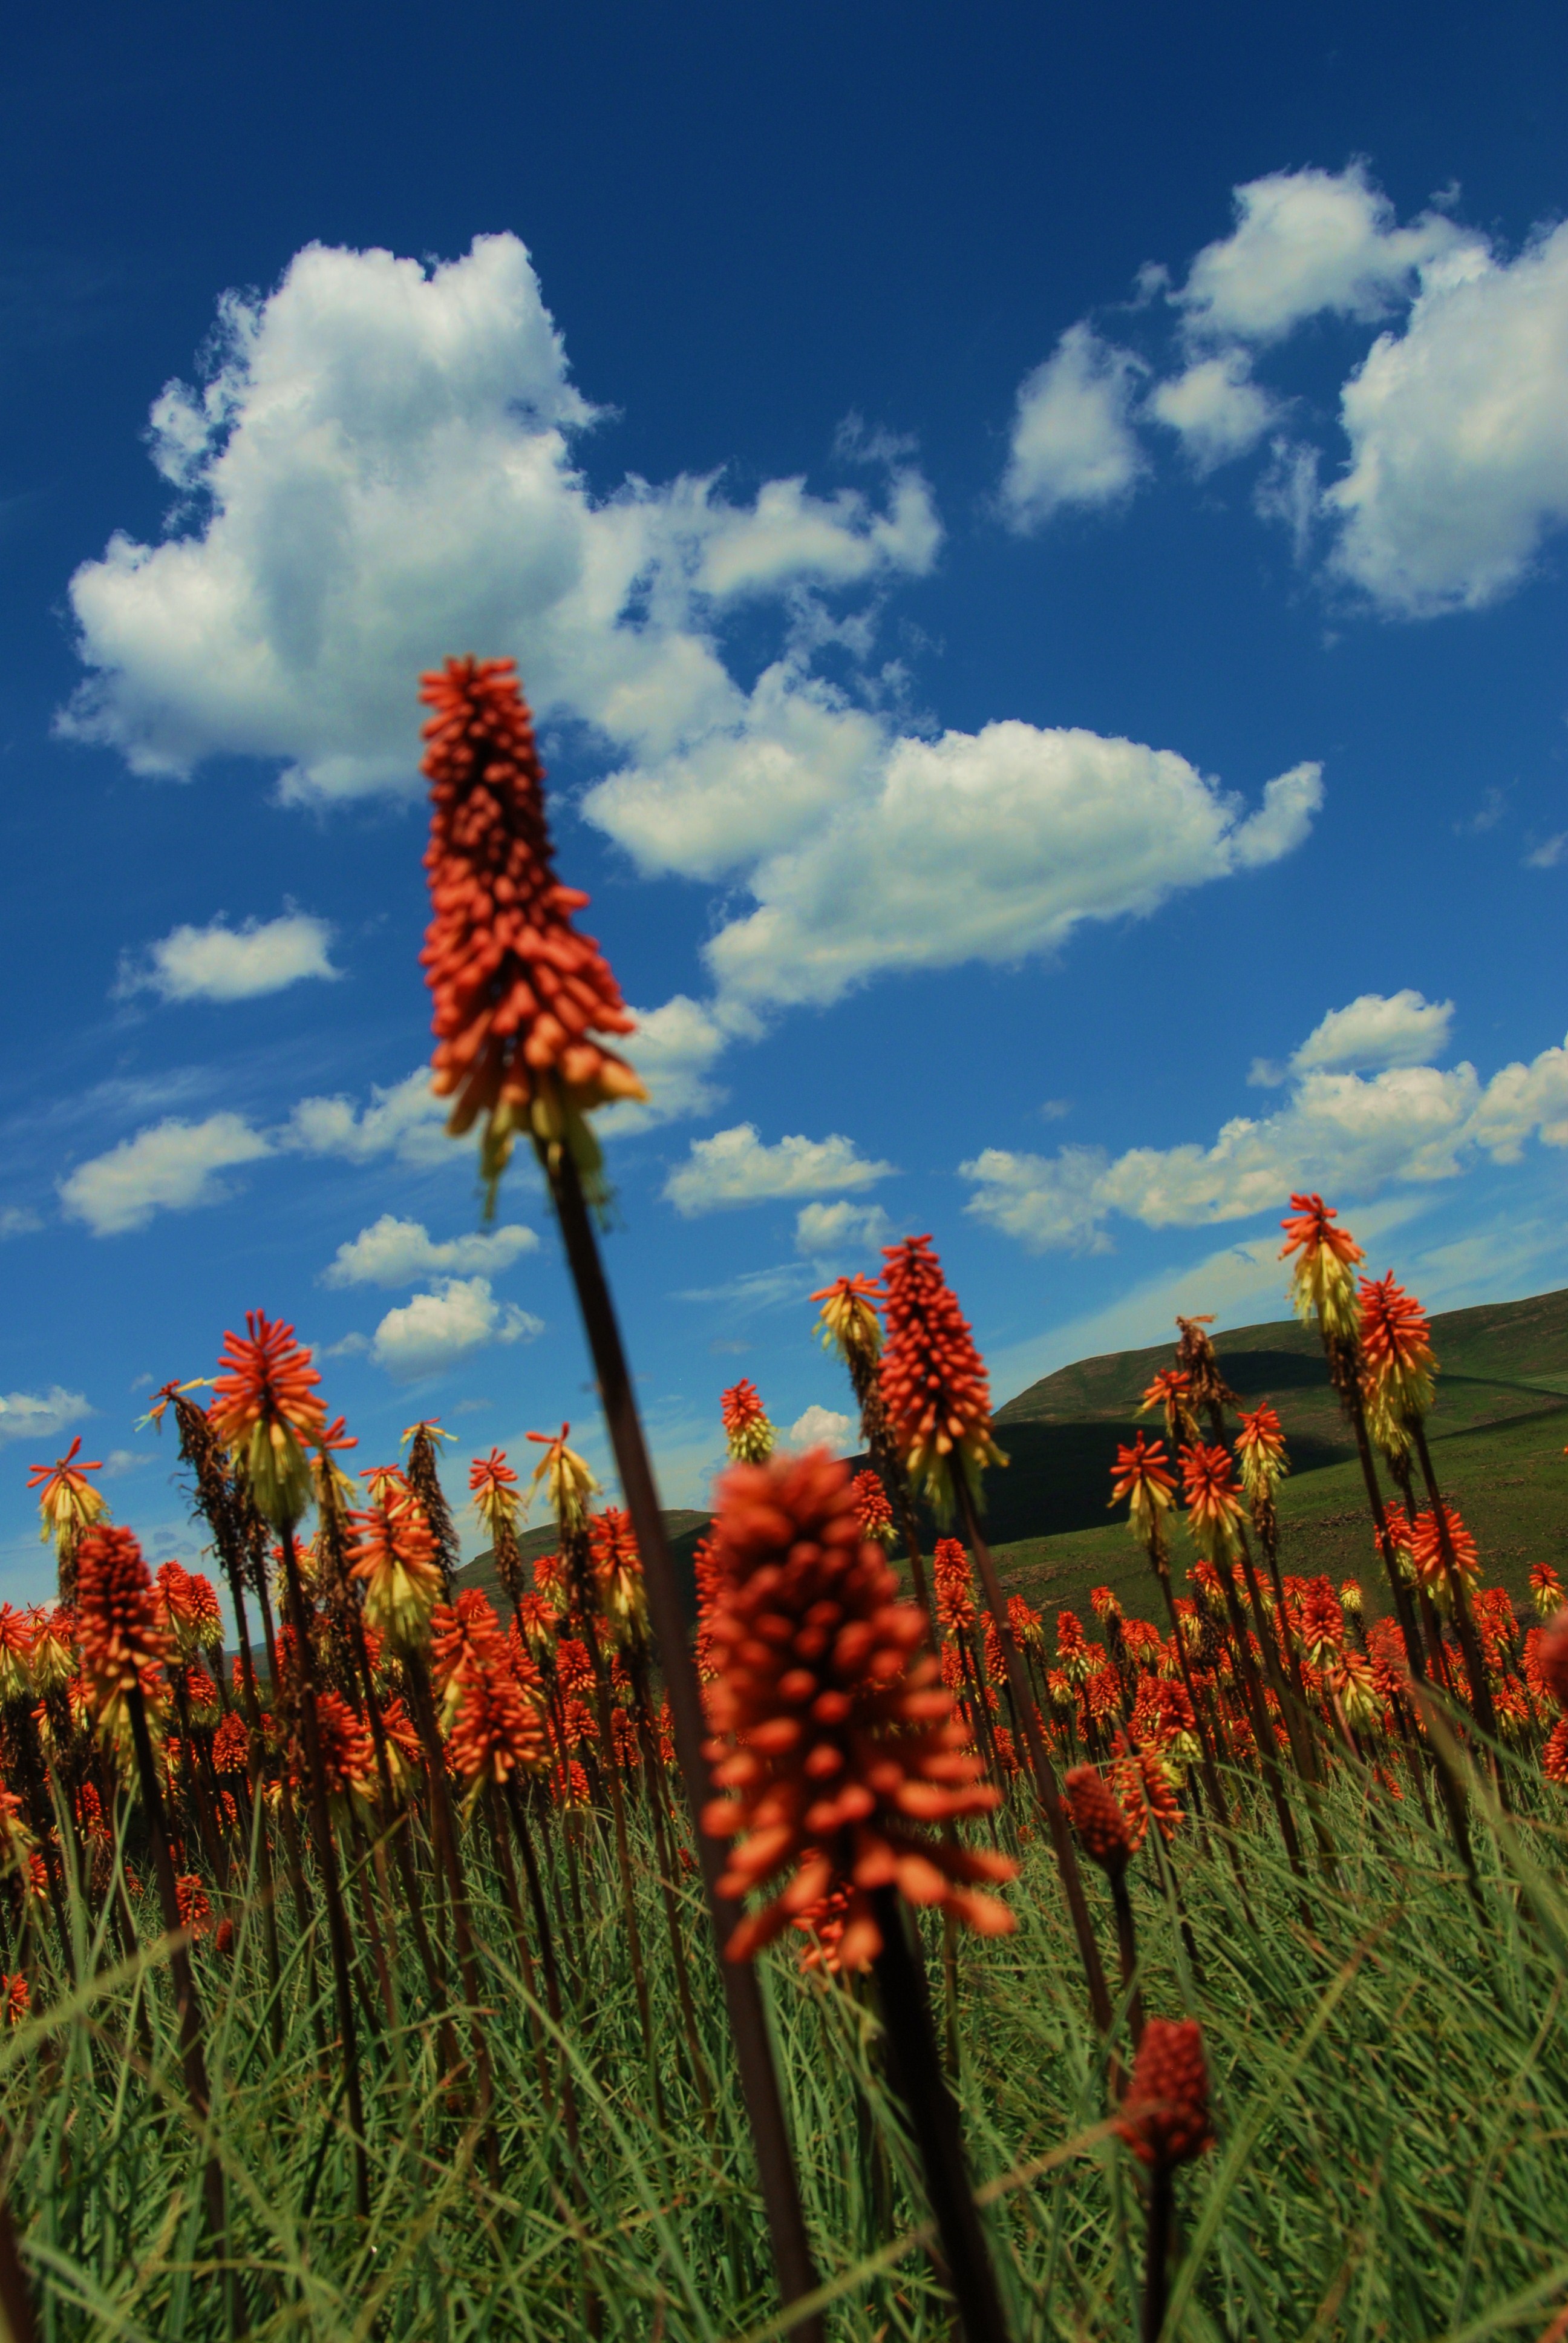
266	1411
569	1484
1142	1476
1320	1279
1164	2116
848	1321
517	992
1213	1502
747	1431
1397	1364
1260	1453
69	1502
617	1560
493	1486
837	1752
394	1555
933	1380
122	1644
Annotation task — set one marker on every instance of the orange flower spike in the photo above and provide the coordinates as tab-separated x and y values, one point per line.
1164	2117
747	1431
53	1658
933	1379
1260	1451
953	1584
1142	1476
836	1748
1097	1818
617	1571
848	1321
68	1501
872	1510
1321	1279
493	1486
517	991
569	1484
266	1411
1172	1390
1545	1589
1214	1501
117	1619
1397	1364
393	1552
16	1640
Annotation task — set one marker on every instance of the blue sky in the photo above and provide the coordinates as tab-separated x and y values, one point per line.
1039	553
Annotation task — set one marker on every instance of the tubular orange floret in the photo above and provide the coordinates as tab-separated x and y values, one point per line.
347	1751
933	1380
493	1486
953	1580
1545	1589
1171	1390
836	1745
1321	1279
1141	1475
1164	2117
1397	1364
1426	1554
1097	1818
517	991
568	1482
266	1411
747	1430
872	1510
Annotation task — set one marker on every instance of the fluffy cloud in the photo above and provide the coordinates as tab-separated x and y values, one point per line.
1072	443
218	962
823	1427
403	1119
171	1166
823	1230
1344	1133
734	1167
993	846
380	465
1459	435
1398	1028
391	1251
434	1331
1216	406
674	1048
40	1415
1307	241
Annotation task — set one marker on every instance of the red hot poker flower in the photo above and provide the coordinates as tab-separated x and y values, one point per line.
116	1618
395	1555
1552	1658
954	1582
617	1574
1213	1501
68	1501
517	991
493	1486
848	1319
1260	1451
1545	1589
872	1510
1164	2116
746	1426
1097	1818
1397	1364
1141	1476
836	1744
1321	1279
933	1380
1172	1390
266	1411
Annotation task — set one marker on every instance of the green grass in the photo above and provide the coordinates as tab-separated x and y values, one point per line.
1390	2087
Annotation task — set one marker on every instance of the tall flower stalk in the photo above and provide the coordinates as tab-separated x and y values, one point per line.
518	994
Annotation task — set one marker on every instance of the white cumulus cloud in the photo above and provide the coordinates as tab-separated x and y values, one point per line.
1072	442
404	1119
218	962
1459	435
1305	242
823	1427
1397	1029
393	1252
734	1167
40	1415
436	1330
171	1166
822	1230
674	1050
991	847
1216	406
1344	1133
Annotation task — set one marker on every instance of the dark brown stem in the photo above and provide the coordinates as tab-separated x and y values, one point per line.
15	2299
188	2008
915	2071
327	1864
1157	2252
1049	1795
792	2260
1459	1594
